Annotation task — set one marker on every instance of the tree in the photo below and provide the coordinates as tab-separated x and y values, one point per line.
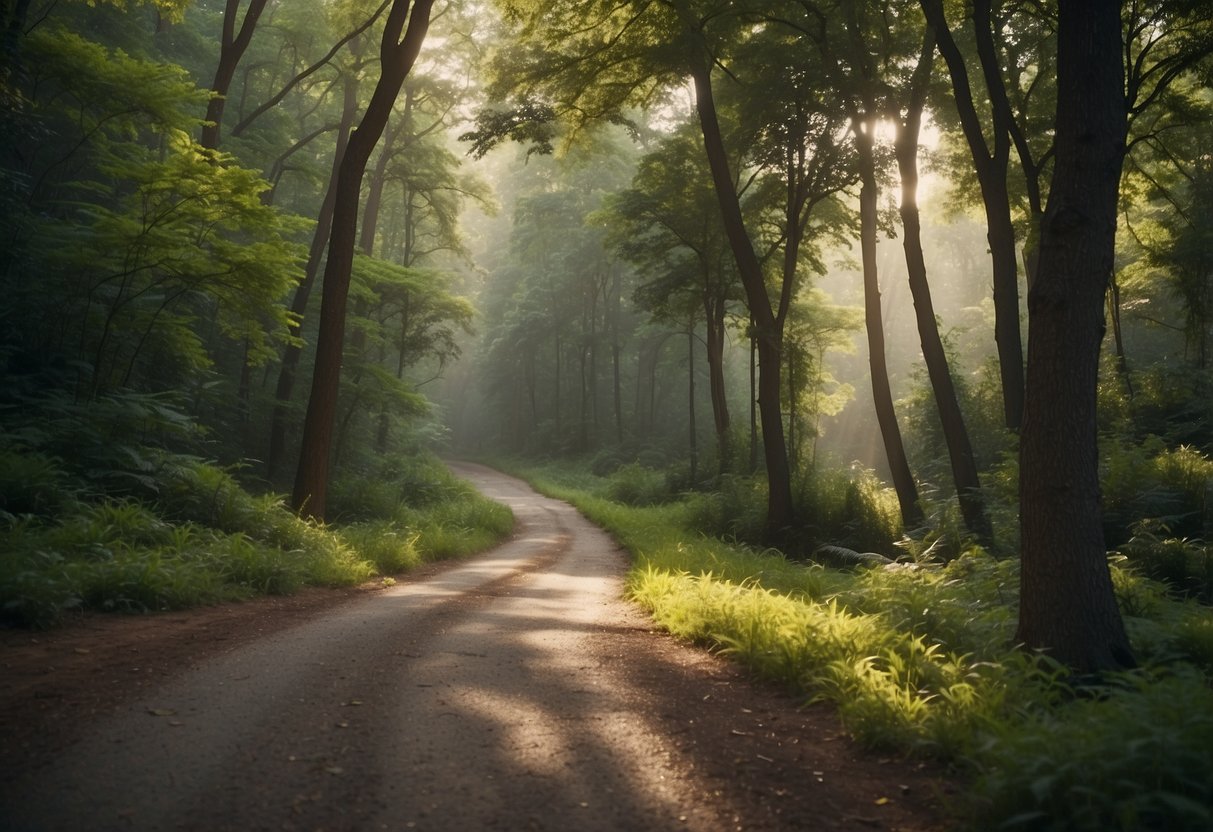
398	53
668	224
955	432
232	45
1067	606
990	164
588	64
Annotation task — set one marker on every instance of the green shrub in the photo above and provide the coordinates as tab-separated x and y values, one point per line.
848	508
459	526
1186	566
736	509
32	483
1134	758
383	543
636	485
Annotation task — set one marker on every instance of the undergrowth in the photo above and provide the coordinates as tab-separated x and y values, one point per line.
192	535
918	657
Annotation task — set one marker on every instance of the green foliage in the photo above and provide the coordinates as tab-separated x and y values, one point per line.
919	657
204	539
736	509
635	485
31	483
1186	566
1132	756
849	508
113	445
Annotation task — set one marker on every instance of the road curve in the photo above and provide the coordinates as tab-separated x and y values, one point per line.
480	698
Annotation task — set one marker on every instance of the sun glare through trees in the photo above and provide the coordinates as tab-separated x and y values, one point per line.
912	297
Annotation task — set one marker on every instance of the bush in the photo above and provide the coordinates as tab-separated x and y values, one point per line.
849	508
735	510
32	483
1134	758
635	485
1186	566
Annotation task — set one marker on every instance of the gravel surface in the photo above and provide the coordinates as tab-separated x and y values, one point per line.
512	691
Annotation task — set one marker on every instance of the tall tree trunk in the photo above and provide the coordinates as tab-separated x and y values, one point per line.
583	428
882	393
753	398
991	165
1118	337
955	432
792	449
616	381
293	353
556	396
232	45
1067	605
714	310
692	442
397	55
13	21
780	510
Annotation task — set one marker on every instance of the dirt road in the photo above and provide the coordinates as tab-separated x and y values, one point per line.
514	691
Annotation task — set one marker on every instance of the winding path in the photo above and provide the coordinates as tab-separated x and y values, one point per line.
513	691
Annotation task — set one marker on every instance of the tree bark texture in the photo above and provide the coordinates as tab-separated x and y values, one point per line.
1067	606
397	55
955	432
714	312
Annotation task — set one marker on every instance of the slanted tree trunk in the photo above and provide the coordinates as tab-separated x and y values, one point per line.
293	353
277	98
991	166
955	432
768	329
232	45
882	393
398	52
1067	606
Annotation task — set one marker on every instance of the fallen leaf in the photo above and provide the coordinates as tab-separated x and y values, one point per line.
880	801
161	712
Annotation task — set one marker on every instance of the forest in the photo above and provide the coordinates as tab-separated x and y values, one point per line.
880	332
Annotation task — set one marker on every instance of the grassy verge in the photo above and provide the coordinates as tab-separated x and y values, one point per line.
917	657
197	537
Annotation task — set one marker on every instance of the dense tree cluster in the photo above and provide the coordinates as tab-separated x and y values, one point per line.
256	211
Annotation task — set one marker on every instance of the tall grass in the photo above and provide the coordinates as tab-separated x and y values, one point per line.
203	538
919	657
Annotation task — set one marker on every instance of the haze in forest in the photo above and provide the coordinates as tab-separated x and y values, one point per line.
835	285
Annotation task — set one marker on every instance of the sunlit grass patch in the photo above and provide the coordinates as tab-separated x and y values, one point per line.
920	657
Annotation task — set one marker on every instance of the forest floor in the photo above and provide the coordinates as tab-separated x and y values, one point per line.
513	690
